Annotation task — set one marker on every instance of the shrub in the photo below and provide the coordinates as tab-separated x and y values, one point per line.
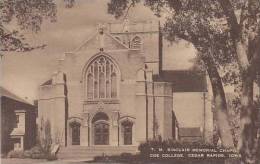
16	154
51	157
3	155
35	153
38	156
27	154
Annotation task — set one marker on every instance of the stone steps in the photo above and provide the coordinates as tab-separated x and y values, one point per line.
85	152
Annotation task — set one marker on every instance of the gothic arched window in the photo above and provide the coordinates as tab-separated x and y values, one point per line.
101	79
136	43
127	132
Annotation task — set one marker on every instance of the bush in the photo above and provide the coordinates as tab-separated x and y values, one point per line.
35	153
51	157
27	154
3	155
16	154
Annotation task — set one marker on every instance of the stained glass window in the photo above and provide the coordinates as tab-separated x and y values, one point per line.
101	80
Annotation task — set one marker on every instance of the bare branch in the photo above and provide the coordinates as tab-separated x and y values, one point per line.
128	8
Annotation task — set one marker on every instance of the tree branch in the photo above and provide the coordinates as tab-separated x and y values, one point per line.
243	13
255	60
231	18
128	8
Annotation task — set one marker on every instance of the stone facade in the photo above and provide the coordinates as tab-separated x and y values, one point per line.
105	91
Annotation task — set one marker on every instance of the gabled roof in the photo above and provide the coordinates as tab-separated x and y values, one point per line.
48	82
190	132
109	42
17	132
5	93
184	80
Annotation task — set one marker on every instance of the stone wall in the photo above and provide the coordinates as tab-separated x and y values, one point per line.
52	107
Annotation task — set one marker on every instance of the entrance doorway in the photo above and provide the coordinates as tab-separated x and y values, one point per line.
75	133
100	129
101	133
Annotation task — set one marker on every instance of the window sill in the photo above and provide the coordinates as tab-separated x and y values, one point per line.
105	101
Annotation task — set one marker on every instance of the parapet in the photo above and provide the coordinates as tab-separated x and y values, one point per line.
134	26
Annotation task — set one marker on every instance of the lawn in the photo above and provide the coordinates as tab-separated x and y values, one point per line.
21	161
42	161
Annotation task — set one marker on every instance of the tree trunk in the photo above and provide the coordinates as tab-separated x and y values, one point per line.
248	142
220	103
221	111
248	139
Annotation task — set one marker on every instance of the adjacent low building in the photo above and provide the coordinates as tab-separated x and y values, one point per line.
18	122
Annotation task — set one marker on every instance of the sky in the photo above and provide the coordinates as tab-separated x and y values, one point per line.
22	73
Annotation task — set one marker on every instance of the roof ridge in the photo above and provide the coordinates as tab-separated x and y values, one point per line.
6	93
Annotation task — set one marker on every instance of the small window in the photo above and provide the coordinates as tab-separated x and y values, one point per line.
17	143
16	121
136	43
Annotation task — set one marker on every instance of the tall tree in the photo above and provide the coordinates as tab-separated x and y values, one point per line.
224	32
190	22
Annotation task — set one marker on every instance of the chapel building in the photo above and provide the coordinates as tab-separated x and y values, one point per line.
112	91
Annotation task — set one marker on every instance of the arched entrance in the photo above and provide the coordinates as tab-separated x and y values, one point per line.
75	133
127	127
100	129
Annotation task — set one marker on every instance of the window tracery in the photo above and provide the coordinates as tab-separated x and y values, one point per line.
136	43
101	78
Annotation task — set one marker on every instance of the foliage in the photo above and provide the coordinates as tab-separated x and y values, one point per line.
51	157
45	136
234	107
45	140
27	15
204	23
69	3
34	153
43	148
14	41
15	154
